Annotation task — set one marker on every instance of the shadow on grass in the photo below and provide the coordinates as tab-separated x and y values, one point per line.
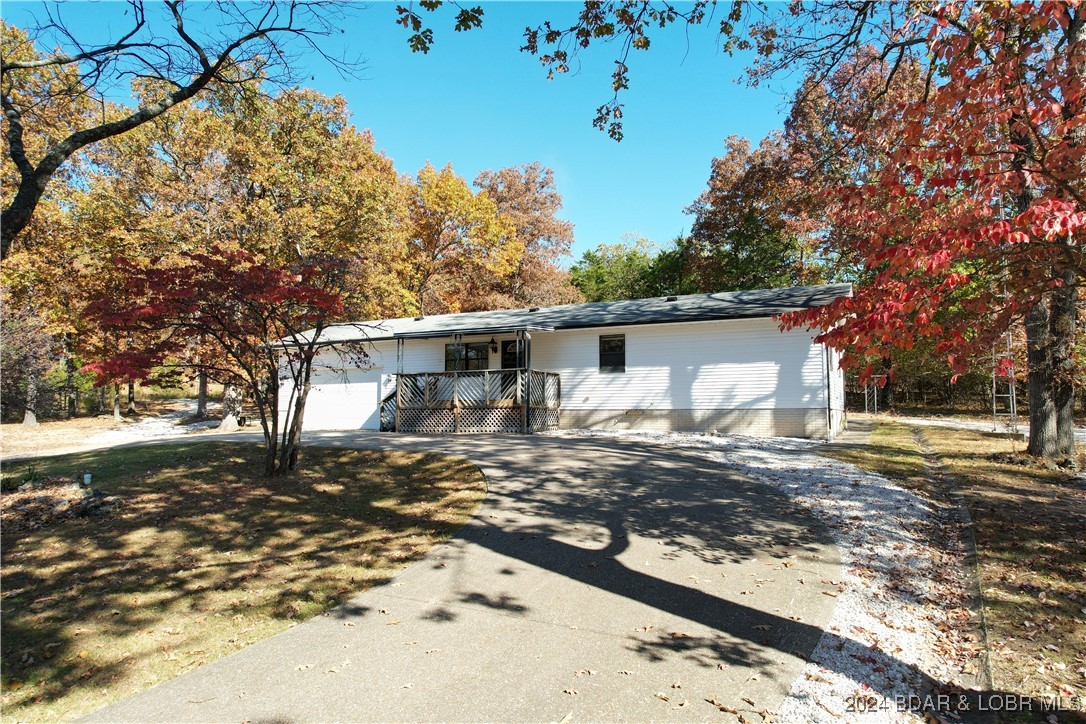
202	557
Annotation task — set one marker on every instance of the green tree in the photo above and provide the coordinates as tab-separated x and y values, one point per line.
751	229
611	272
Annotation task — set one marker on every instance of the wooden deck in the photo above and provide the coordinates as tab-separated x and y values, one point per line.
477	401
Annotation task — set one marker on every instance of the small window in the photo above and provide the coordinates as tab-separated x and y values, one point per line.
460	357
612	353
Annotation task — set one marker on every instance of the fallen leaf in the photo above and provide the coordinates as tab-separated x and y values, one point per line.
712	700
661	695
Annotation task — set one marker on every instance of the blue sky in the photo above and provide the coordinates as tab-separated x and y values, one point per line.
479	103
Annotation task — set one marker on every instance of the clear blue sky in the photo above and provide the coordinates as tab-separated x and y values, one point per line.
479	103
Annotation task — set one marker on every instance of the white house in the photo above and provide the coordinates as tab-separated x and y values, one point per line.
696	362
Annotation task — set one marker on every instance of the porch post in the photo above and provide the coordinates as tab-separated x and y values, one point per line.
527	424
456	402
396	427
399	372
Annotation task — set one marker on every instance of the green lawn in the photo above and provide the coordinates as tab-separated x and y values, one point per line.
204	557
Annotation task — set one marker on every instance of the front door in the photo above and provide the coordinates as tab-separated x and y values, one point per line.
512	354
512	358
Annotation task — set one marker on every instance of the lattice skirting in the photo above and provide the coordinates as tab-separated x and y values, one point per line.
543	420
430	421
482	419
471	419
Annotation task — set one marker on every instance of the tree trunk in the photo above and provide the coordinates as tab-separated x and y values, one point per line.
18	214
34	180
30	412
1042	405
288	455
102	400
131	398
231	409
117	401
1062	320
201	395
1064	308
69	381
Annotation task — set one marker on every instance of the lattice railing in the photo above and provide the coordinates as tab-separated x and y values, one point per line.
476	401
388	412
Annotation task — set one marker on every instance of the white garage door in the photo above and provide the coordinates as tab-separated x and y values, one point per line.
344	400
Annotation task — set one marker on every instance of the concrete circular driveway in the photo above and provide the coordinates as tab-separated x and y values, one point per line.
600	580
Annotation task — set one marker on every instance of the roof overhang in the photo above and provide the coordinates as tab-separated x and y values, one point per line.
472	332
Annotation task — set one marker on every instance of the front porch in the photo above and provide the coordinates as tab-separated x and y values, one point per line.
509	400
471	395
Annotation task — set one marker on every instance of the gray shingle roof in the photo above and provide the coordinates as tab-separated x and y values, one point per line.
654	310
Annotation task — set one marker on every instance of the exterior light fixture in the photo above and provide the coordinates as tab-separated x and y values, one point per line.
493	345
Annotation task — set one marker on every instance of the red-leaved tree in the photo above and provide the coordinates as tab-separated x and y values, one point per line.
263	323
968	212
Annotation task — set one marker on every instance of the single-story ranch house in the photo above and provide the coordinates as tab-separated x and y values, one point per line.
699	362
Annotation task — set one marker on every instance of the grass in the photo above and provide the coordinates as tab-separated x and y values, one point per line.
204	558
891	452
1031	546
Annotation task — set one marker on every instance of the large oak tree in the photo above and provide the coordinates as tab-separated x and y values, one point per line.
51	98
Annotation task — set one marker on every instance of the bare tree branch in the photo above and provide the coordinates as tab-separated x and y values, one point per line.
174	57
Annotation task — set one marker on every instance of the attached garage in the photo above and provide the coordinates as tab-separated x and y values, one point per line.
344	399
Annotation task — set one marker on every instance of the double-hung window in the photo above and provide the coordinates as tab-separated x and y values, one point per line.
460	357
612	353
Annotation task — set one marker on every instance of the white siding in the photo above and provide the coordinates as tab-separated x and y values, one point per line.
837	381
745	364
738	364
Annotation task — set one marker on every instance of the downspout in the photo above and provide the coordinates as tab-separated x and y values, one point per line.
829	395
399	371
527	381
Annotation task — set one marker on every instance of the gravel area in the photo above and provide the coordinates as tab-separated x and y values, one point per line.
897	620
167	424
57	437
